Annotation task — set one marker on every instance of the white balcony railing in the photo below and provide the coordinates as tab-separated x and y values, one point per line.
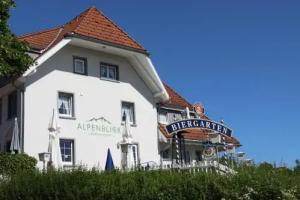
205	166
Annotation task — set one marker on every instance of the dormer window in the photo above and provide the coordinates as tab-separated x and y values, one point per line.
109	71
80	65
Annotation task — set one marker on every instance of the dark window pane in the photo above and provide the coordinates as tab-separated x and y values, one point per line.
12	105
68	151
112	72
68	158
0	111
103	71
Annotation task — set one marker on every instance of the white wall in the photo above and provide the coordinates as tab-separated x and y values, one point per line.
93	98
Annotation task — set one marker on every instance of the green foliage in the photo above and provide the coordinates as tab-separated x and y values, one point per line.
265	166
16	163
249	183
297	167
13	58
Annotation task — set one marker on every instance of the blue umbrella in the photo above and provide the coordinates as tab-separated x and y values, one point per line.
109	166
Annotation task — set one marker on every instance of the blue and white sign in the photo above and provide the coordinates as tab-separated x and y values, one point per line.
198	123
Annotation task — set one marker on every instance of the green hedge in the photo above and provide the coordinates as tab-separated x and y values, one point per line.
15	163
249	183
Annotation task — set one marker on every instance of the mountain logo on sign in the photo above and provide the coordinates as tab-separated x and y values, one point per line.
101	119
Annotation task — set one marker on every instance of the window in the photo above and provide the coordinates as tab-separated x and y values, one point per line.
0	111
67	151
108	71
128	110
80	65
174	116
163	117
187	157
65	104
166	154
198	156
135	154
12	105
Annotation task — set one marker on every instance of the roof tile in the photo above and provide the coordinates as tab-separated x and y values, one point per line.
91	23
176	100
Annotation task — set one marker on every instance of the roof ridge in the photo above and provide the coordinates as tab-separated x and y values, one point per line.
77	17
84	24
39	32
56	27
116	26
62	32
54	39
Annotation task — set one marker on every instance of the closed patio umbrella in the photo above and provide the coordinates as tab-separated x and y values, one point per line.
53	146
109	166
127	143
15	141
127	136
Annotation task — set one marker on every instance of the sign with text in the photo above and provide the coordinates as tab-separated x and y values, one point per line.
198	123
98	126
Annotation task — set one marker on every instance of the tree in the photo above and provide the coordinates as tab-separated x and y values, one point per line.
265	166
13	57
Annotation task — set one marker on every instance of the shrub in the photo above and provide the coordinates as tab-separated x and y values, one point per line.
16	163
249	183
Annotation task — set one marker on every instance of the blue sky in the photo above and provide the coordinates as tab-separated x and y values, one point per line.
241	59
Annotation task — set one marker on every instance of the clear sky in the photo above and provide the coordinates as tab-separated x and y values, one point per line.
241	59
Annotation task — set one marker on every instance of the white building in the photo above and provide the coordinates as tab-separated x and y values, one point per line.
90	72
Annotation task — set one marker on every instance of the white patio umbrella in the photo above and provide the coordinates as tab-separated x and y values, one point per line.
127	142
15	141
53	146
127	136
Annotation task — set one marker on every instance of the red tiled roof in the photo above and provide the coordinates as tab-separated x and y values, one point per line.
40	40
91	24
198	134
176	100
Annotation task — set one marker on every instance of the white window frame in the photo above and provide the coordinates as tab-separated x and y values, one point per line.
108	67
61	115
83	61
72	162
133	122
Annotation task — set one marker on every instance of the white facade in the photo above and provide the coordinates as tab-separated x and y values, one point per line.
93	98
